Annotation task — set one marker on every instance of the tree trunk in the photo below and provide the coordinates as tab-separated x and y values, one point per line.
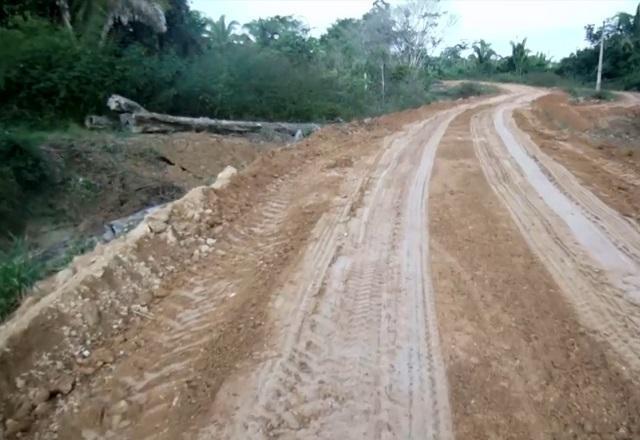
382	79
135	118
600	56
65	13
148	122
106	28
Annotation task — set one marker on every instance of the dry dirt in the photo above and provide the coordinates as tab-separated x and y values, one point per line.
600	144
100	177
436	274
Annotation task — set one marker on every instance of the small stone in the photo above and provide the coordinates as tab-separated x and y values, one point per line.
622	434
120	408
42	408
85	353
115	421
204	249
86	371
16	426
90	314
64	275
157	226
103	356
160	293
211	241
23	410
20	383
144	297
588	427
64	385
39	395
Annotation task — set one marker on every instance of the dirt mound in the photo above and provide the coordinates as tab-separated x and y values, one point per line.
98	294
100	177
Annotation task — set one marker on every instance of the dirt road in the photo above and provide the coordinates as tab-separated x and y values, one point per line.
431	275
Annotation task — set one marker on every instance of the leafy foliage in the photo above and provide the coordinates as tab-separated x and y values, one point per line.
18	272
621	49
23	171
172	59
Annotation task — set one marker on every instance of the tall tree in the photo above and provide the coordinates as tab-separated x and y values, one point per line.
418	26
221	32
519	57
148	12
483	54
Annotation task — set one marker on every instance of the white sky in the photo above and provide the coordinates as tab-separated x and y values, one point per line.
554	27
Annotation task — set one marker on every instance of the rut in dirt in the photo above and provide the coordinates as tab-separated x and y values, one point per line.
360	353
590	249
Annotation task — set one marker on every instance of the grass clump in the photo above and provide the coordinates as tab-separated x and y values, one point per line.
18	272
584	94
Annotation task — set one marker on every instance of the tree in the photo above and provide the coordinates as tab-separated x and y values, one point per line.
187	30
221	32
65	13
519	59
417	30
147	12
483	55
106	14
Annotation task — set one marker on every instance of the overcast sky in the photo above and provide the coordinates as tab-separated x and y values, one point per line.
554	27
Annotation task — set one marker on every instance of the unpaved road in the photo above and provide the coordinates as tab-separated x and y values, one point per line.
434	275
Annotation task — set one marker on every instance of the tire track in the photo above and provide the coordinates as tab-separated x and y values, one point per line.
596	262
360	356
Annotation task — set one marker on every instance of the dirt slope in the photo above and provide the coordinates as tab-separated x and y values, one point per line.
431	274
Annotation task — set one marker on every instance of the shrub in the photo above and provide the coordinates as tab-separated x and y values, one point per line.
581	94
468	89
18	272
23	173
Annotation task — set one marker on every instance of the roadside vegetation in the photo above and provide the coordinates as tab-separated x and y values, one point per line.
580	94
18	272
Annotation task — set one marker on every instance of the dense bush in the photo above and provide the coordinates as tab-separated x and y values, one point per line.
23	173
49	76
468	89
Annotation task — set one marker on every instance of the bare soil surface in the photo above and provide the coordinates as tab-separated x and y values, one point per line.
435	273
103	177
598	143
519	363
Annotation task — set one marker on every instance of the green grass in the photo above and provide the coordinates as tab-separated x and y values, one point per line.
18	272
582	94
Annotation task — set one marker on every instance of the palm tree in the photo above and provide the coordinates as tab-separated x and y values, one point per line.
483	53
106	13
519	56
148	12
221	33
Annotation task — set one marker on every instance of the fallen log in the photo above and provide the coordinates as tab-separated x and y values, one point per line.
120	104
149	122
95	122
136	119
